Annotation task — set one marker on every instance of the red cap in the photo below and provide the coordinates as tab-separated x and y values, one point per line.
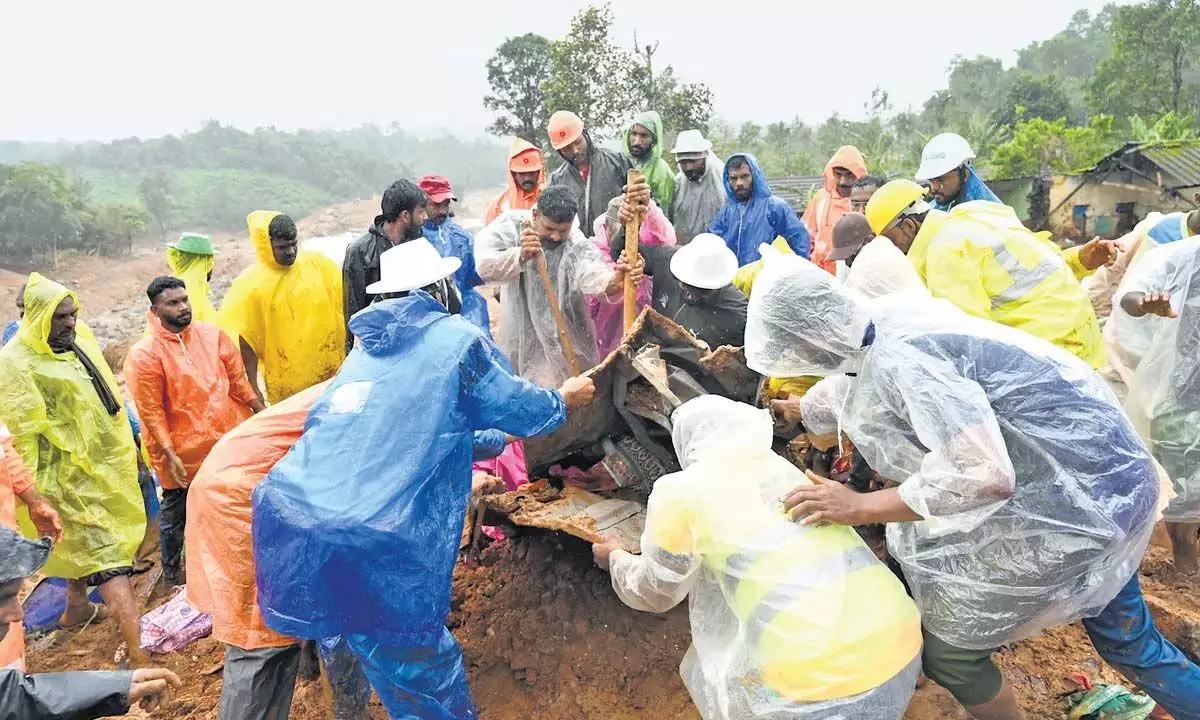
437	188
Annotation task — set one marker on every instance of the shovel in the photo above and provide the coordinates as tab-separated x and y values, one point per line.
564	337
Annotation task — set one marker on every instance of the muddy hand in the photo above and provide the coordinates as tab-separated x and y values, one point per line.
1098	252
578	391
151	687
602	552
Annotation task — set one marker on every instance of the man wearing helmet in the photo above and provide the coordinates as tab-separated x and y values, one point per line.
946	166
593	174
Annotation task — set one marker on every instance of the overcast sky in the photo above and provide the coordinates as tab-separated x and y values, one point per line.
80	69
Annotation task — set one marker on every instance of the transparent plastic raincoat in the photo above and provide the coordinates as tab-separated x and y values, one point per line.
193	270
528	335
881	270
746	225
291	317
658	173
787	621
83	459
1037	494
1156	270
1164	397
374	494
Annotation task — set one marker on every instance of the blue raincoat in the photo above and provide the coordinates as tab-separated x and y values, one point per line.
452	240
1172	228
10	331
356	529
973	189
746	225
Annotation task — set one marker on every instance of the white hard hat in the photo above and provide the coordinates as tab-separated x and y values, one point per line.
411	265
691	142
942	154
706	263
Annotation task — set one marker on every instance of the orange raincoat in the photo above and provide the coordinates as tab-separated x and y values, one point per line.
190	387
522	157
827	206
219	547
14	480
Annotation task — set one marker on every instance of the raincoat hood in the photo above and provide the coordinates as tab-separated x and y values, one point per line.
711	425
973	188
652	121
194	270
42	296
881	270
762	190
659	175
849	157
259	223
802	321
384	325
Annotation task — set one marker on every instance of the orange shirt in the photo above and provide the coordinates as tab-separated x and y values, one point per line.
219	546
191	385
14	480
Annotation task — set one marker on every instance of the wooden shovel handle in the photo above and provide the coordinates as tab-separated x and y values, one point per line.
632	230
564	337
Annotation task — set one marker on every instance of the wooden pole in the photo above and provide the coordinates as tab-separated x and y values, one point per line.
632	229
564	337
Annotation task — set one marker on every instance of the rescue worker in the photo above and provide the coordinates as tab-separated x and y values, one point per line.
190	388
593	174
862	190
1026	499
831	202
752	215
452	240
403	210
377	515
505	252
1160	302
66	695
192	259
693	285
699	187
981	258
526	178
286	310
10	330
787	621
946	167
61	403
851	234
644	145
16	482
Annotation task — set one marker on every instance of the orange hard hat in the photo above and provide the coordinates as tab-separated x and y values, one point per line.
565	128
526	161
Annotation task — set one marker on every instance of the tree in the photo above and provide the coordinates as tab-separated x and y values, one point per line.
1167	128
517	74
588	73
1040	146
1034	96
38	209
1152	68
155	191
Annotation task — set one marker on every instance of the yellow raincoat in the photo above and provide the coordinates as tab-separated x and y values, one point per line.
193	270
981	258
82	458
291	317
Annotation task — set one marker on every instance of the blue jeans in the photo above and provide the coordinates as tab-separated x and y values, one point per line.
1125	636
417	683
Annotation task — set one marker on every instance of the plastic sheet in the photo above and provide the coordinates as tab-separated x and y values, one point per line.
787	620
83	459
528	335
291	317
821	407
1164	397
1156	270
1040	497
452	240
881	270
376	509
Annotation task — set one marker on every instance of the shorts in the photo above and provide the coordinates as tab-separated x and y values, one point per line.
99	578
970	675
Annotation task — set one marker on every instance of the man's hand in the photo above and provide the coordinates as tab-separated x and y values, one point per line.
787	408
602	552
178	471
1157	304
1098	252
634	272
577	391
531	243
825	501
151	687
43	515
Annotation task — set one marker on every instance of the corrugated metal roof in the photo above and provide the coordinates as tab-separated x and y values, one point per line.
1179	160
796	190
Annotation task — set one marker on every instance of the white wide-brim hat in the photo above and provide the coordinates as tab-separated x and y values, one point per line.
411	265
705	263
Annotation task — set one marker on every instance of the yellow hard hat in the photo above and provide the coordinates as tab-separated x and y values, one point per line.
890	201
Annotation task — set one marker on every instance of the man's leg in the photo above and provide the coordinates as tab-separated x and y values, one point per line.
174	514
348	688
971	677
117	592
1125	636
79	610
425	682
1184	545
258	684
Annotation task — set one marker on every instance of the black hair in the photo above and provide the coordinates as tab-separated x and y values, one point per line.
558	204
876	181
161	284
401	196
738	161
282	227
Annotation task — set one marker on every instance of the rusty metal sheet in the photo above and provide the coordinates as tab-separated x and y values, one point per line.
585	515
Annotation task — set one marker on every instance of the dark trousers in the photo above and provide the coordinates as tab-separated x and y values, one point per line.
258	684
172	520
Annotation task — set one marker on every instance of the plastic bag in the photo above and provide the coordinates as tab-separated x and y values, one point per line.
174	625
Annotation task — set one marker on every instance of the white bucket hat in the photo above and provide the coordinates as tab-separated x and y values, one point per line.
691	142
705	263
411	265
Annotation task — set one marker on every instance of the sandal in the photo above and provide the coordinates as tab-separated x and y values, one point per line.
99	613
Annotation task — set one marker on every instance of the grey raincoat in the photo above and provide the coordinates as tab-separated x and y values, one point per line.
697	203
